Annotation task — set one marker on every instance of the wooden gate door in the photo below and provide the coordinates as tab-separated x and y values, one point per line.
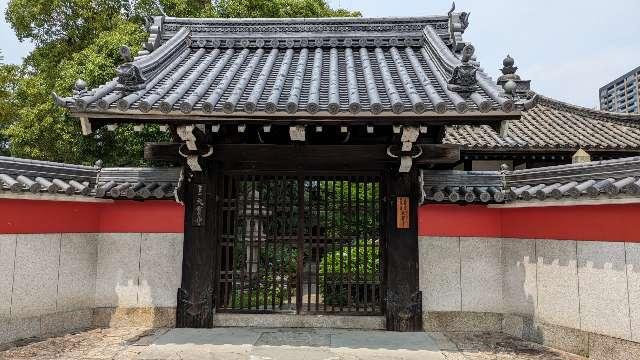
304	243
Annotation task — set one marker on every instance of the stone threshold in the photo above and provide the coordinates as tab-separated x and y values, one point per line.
583	343
299	321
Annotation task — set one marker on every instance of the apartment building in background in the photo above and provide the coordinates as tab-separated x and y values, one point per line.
621	95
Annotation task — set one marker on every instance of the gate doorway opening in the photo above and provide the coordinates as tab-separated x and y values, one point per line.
301	243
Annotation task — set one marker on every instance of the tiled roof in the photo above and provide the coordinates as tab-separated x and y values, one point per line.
42	177
619	178
284	67
550	125
137	183
21	175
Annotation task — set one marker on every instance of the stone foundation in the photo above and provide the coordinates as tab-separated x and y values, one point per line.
588	344
44	325
134	317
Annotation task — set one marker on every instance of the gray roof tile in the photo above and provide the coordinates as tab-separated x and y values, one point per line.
43	177
618	178
290	66
551	124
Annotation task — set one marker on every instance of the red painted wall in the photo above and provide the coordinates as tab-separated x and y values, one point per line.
594	222
597	222
41	216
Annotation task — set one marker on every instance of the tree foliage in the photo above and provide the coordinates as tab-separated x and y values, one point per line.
80	39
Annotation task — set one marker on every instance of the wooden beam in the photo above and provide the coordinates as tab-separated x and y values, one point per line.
265	155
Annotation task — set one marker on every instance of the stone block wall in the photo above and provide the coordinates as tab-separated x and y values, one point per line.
537	287
53	283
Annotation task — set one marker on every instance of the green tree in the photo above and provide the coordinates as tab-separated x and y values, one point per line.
80	39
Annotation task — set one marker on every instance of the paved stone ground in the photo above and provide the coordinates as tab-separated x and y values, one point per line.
279	344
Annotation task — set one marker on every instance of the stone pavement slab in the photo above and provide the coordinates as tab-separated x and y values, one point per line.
278	344
285	344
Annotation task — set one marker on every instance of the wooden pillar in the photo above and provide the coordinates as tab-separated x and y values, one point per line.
196	294
403	296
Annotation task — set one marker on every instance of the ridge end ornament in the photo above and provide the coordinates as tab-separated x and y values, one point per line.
463	79
129	77
458	23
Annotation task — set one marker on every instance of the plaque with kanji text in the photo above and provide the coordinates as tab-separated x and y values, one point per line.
402	212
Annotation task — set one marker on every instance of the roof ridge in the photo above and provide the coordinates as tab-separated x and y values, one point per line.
303	20
598	114
10	160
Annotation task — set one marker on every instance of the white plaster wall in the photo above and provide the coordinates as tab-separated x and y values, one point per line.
588	285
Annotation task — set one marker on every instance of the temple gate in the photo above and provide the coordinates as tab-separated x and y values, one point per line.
301	142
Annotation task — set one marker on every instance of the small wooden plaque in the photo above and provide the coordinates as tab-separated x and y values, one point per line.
402	212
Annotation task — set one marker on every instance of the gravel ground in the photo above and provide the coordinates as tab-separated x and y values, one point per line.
130	343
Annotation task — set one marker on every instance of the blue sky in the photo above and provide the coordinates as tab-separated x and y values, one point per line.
568	48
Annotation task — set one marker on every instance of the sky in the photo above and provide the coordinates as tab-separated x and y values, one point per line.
567	48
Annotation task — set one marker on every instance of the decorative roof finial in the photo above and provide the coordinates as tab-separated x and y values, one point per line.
79	88
509	70
125	53
98	164
464	75
511	82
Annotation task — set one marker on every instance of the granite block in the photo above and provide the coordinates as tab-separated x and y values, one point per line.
78	265
633	277
7	256
118	270
558	301
481	274
440	273
160	270
602	279
519	289
36	275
